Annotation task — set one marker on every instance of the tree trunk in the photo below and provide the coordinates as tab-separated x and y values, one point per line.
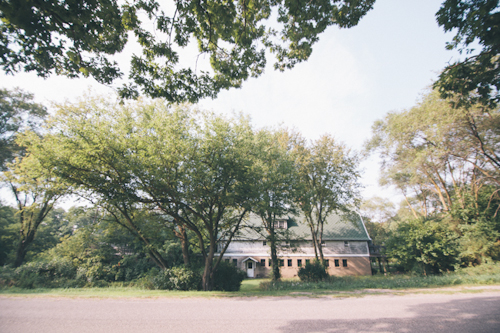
320	243
182	235
275	266
22	248
314	241
185	250
20	253
207	281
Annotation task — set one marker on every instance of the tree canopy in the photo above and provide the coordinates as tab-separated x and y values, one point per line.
476	79
445	162
79	38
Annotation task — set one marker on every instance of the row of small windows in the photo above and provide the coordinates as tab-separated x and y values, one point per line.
289	262
323	243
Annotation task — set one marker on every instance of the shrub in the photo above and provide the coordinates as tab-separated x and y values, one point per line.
45	274
228	277
131	267
176	278
313	272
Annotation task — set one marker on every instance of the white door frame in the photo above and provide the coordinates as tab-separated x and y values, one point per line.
250	271
250	268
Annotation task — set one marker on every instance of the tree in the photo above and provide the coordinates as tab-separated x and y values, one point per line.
477	78
79	38
439	154
88	145
445	161
329	176
35	191
277	186
198	170
144	158
17	112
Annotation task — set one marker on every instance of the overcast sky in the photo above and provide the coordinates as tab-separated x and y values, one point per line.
352	78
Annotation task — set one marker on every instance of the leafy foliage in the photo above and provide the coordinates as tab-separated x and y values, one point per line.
17	112
56	273
228	277
444	161
328	177
8	234
425	246
313	272
74	38
176	278
477	78
277	188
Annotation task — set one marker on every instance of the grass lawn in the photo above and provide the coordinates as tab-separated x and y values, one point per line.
474	279
249	287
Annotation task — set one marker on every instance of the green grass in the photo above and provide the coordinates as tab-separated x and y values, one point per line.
249	287
484	275
337	286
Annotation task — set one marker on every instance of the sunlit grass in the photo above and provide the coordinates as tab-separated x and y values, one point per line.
486	275
340	286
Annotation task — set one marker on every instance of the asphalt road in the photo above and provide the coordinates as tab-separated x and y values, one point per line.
388	313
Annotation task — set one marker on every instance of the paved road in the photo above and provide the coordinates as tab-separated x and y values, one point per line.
389	313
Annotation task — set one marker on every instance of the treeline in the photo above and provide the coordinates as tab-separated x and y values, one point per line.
445	161
186	175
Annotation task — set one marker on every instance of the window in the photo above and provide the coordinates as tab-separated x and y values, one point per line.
227	260
289	263
299	262
327	263
264	243
263	262
250	264
235	262
337	263
282	262
270	262
307	261
346	244
344	262
281	224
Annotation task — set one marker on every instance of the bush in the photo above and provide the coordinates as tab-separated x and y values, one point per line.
313	272
228	277
424	246
176	278
131	267
41	274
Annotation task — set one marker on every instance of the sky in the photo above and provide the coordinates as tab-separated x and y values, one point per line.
353	78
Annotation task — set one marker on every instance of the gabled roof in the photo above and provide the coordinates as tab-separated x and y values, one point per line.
345	227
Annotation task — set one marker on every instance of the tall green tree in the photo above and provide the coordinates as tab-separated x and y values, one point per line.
144	157
329	176
79	38
277	186
444	159
36	191
200	173
439	154
88	145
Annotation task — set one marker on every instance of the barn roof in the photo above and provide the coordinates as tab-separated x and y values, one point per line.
345	226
